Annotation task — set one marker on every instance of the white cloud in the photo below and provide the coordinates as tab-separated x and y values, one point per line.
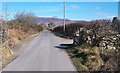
98	8
75	6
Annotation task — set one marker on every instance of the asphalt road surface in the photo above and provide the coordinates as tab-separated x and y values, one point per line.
43	53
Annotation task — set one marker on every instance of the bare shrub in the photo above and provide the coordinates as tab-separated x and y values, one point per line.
70	29
27	21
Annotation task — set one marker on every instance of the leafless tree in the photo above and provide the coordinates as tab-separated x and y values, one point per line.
26	20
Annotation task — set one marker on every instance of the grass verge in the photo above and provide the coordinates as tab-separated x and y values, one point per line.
93	59
72	52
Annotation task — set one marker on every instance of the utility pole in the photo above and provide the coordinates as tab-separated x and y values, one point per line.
1	22
64	15
6	27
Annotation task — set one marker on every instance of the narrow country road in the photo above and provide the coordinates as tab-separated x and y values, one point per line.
43	55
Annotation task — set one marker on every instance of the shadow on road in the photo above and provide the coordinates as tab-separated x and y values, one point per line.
63	46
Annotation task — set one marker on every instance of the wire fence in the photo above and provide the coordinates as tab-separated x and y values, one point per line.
3	34
3	27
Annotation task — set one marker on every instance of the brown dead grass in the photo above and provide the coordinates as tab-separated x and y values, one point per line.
7	56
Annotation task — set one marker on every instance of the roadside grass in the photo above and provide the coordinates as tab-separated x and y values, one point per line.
93	59
6	60
7	56
72	52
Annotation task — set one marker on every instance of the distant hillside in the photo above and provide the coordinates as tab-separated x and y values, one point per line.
56	21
